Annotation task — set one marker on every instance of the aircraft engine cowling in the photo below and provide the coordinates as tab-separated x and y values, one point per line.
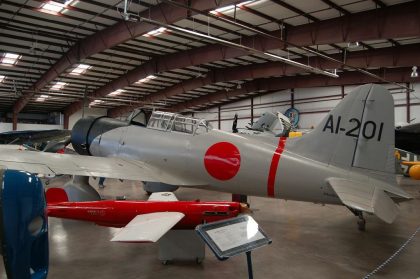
87	129
414	172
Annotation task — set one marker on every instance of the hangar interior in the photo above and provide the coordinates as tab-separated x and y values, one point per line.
61	61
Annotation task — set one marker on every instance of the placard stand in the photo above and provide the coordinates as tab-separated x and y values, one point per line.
234	236
249	262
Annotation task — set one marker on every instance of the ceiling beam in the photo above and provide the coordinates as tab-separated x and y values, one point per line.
402	56
397	21
112	36
391	22
307	81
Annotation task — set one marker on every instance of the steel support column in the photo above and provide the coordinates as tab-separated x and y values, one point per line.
252	110
408	103
66	121
219	122
15	120
292	97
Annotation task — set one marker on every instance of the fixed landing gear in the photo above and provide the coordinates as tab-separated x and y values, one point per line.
361	223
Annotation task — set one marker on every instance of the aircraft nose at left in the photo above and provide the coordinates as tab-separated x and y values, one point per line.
87	129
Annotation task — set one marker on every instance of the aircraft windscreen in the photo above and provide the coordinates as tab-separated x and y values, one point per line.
172	122
137	117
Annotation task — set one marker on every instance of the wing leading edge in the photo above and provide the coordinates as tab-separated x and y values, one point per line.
53	164
110	167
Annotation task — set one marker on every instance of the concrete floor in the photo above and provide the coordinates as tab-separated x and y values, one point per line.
309	241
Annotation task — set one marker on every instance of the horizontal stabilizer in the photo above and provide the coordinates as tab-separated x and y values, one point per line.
365	197
148	227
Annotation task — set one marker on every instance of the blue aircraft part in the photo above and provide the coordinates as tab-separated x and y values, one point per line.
293	115
24	226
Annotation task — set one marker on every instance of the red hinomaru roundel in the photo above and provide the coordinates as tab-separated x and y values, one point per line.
222	160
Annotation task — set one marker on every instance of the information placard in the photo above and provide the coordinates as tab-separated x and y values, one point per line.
234	236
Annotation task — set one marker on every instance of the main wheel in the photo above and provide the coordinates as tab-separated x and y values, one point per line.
361	224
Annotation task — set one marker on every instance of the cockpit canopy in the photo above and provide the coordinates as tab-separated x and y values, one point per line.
172	122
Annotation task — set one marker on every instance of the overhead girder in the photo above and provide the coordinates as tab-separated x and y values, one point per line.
306	81
397	21
401	56
114	35
391	22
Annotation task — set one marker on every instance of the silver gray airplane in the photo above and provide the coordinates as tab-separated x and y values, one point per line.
348	159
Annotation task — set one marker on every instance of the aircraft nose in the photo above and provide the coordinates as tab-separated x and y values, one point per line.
87	129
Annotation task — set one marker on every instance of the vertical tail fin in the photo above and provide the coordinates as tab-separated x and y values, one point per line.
358	133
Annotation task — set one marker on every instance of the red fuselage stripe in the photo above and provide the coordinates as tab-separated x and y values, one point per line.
274	165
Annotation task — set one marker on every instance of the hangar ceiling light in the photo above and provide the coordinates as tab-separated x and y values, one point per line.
155	32
414	73
10	59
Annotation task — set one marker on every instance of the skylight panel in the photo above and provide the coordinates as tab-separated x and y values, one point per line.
95	102
58	85
230	7
146	79
42	98
10	59
2	78
116	92
54	7
223	9
80	69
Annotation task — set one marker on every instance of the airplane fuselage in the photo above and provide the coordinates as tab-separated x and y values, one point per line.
222	161
120	213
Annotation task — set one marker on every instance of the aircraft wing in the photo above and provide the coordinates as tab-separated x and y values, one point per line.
365	197
413	128
34	136
408	138
148	227
52	164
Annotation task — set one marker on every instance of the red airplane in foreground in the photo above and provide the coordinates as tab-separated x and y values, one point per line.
141	221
